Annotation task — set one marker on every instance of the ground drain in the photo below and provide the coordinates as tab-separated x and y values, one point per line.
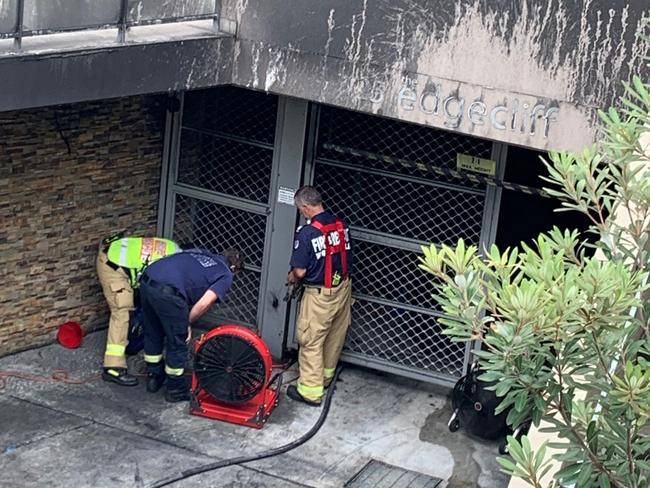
376	474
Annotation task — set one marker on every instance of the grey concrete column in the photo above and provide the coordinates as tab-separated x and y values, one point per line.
287	175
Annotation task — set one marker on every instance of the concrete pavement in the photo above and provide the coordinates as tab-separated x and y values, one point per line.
97	434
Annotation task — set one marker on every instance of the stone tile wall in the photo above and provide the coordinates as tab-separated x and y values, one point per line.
70	175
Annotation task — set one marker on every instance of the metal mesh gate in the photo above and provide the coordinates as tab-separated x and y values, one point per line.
220	196
393	206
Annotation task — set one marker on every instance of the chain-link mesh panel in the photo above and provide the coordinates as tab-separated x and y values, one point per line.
391	274
235	111
404	337
422	146
388	177
240	306
399	207
226	148
226	166
217	227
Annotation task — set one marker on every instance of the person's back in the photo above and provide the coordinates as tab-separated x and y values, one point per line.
120	261
176	291
309	250
321	258
136	253
192	272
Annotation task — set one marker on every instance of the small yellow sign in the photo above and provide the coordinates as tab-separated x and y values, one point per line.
465	162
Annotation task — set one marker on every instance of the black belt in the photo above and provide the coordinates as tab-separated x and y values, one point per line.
163	288
322	285
112	265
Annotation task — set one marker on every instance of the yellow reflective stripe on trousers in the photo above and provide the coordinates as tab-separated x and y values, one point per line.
310	391
328	372
174	371
115	349
148	358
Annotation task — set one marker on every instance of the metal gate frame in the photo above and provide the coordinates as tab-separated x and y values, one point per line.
291	122
487	237
294	162
171	189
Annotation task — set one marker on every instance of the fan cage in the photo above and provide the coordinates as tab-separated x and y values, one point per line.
232	365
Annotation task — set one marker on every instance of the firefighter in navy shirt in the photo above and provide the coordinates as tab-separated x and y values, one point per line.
322	259
175	291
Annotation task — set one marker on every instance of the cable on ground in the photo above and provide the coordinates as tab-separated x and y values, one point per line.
262	455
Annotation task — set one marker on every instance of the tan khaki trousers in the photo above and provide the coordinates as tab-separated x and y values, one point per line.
323	321
119	296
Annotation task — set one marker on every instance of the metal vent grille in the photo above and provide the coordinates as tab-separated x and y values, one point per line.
377	474
377	174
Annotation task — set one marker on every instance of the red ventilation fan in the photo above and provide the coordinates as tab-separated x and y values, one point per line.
232	377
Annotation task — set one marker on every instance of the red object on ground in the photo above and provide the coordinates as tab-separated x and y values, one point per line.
70	335
220	359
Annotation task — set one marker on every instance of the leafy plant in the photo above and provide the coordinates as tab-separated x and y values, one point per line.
565	332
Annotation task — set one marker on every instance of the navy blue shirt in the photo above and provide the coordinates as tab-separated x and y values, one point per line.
309	251
192	273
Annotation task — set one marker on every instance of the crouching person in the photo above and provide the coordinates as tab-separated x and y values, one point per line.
120	261
175	291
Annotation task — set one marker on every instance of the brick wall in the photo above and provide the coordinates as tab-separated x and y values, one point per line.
70	175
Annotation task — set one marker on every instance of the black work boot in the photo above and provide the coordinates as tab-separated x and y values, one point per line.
154	382
155	376
177	389
292	392
119	376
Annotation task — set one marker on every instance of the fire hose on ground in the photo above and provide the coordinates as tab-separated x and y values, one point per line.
262	455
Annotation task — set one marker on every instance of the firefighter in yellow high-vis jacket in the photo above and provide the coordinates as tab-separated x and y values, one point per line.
120	262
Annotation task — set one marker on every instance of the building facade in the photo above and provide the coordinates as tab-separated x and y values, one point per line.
420	122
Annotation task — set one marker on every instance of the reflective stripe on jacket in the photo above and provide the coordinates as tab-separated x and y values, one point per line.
135	253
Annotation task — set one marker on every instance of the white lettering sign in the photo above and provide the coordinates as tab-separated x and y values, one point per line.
285	195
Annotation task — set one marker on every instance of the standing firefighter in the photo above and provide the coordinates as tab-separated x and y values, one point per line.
175	292
120	261
321	258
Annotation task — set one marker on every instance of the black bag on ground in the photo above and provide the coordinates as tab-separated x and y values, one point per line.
474	407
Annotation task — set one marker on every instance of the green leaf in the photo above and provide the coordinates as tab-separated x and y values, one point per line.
586	475
507	464
603	481
568	473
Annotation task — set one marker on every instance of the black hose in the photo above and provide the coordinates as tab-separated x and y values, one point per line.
262	455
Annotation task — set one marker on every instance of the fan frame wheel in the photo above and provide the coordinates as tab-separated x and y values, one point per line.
253	412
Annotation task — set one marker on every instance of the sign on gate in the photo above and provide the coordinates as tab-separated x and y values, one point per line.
465	162
285	195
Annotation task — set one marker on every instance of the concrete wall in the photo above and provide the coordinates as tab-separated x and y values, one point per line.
70	175
489	68
526	72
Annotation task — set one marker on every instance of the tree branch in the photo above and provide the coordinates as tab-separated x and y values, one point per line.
578	437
